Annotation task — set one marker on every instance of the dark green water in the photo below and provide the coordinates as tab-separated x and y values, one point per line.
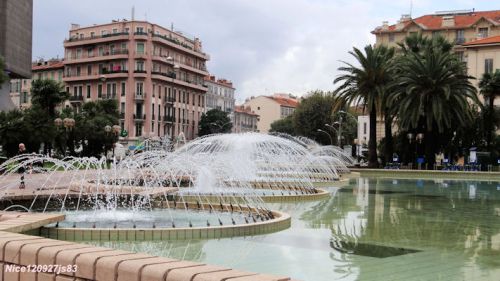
372	229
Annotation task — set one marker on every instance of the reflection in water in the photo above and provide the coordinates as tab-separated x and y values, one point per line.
437	216
373	229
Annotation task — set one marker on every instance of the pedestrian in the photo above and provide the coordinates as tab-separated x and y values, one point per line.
22	169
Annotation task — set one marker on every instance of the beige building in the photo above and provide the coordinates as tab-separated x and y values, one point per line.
271	108
483	56
20	89
244	120
155	74
476	35
220	94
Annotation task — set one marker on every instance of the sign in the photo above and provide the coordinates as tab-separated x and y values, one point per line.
123	133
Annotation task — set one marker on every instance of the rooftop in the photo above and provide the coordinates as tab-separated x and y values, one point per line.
442	20
485	41
244	110
285	100
220	81
47	65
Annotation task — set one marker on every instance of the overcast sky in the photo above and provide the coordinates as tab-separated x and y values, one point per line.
263	46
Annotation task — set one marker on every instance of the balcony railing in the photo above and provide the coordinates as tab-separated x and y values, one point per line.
140	96
74	39
459	40
122	115
169	99
140	71
169	118
139	116
111	96
140	33
76	98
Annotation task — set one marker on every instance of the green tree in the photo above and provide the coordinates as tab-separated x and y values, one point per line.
89	127
490	89
433	93
13	130
366	84
312	114
47	94
214	121
284	125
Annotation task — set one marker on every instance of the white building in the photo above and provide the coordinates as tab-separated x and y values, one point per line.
220	95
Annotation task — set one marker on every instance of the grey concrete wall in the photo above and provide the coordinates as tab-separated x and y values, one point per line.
16	21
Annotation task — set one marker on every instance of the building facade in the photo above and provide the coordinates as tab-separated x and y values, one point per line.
244	120
16	21
220	95
155	74
20	89
472	32
271	108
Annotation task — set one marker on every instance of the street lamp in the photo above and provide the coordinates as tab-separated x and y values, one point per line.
331	139
333	128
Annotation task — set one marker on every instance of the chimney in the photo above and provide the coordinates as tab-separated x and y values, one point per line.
385	25
448	21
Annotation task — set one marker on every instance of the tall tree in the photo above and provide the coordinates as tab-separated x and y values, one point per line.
366	84
490	89
433	91
47	94
214	121
284	125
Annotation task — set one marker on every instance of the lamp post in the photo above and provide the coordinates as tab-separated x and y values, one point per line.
331	139
335	130
418	143
68	124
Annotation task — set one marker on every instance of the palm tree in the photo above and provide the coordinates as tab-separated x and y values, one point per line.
48	94
490	89
366	84
433	92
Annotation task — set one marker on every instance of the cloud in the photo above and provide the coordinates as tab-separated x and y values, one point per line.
263	46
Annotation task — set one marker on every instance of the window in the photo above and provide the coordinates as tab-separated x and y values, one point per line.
89	69
364	128
139	29
140	48
88	91
115	30
138	129
122	107
92	34
25	97
99	91
459	36
258	108
123	89
78	71
139	88
80	91
139	65
104	32
483	32
488	66
79	53
75	91
101	51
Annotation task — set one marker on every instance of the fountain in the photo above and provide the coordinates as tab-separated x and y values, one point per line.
215	182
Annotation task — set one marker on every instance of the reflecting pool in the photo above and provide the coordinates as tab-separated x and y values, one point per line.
371	229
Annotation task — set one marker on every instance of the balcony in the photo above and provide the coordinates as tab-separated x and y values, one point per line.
140	71
109	96
459	40
139	96
77	41
173	42
139	117
169	119
141	35
105	56
73	76
169	99
122	115
76	99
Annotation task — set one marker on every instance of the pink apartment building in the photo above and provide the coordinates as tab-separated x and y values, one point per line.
155	74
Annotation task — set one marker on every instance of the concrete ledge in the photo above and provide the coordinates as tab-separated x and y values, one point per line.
429	174
281	221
